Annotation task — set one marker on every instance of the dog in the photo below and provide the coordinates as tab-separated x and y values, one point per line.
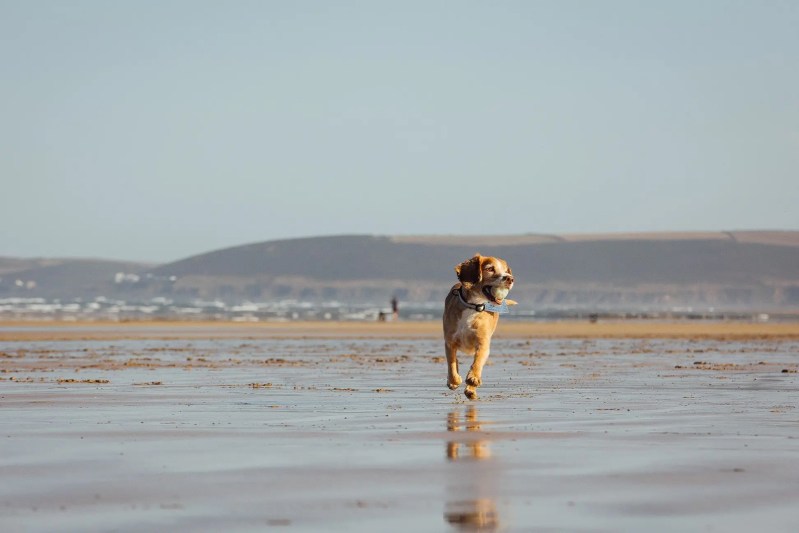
468	324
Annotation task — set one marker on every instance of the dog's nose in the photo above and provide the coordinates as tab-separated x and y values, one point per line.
508	278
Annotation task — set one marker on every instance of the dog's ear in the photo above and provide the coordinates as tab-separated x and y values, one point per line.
470	271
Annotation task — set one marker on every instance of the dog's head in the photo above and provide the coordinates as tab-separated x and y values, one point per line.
487	277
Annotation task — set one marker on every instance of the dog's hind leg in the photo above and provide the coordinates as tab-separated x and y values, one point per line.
453	378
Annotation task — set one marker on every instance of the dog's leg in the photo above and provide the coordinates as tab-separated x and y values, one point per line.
453	378
470	391
474	377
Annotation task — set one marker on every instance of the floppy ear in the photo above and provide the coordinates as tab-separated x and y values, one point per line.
469	271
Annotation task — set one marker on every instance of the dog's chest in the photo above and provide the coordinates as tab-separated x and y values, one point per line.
470	326
465	325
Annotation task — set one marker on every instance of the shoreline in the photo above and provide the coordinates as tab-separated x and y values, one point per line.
21	330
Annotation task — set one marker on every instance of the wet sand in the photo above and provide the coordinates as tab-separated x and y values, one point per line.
54	330
350	427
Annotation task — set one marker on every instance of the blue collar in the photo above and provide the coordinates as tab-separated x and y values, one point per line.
488	306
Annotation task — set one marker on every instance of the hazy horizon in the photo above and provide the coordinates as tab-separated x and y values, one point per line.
153	131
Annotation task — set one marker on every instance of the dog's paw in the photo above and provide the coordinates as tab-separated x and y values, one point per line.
470	392
453	382
473	379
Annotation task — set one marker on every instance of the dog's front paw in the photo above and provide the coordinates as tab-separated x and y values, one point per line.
454	381
470	392
473	379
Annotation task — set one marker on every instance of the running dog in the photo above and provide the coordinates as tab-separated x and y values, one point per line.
471	313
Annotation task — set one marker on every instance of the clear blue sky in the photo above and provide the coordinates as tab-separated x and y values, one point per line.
154	130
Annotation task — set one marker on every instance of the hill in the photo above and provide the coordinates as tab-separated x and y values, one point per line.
740	270
61	278
735	269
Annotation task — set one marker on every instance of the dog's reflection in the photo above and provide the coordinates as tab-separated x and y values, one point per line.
469	446
473	448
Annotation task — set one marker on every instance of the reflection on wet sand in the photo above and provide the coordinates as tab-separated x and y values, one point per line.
472	506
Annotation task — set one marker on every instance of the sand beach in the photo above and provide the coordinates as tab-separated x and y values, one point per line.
627	426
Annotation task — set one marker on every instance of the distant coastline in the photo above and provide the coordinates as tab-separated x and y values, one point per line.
716	274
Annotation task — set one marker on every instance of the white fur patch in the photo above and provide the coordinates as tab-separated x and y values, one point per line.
465	333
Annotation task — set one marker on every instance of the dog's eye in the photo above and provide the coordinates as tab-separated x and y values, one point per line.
489	268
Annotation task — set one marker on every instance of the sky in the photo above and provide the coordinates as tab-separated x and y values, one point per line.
156	130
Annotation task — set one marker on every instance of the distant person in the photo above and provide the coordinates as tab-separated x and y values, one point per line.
395	307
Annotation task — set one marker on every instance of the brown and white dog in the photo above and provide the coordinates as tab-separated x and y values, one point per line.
468	326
